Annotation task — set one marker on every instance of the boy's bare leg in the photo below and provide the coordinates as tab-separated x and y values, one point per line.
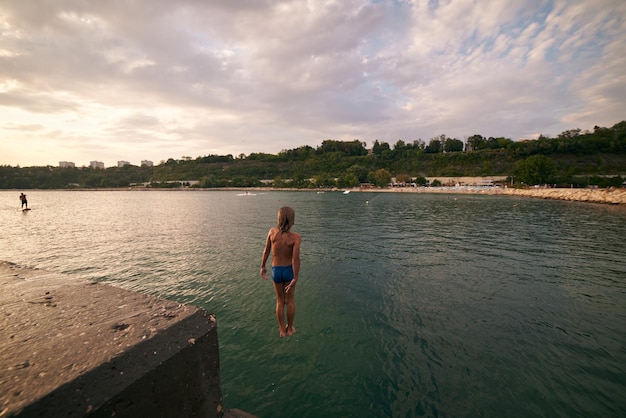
280	316
291	310
280	308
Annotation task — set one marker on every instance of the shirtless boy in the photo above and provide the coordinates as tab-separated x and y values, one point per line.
285	248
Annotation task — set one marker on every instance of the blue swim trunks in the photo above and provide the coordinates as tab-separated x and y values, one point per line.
282	274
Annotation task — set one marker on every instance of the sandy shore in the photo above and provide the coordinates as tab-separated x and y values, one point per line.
606	196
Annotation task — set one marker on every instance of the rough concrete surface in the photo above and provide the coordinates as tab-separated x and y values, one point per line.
74	348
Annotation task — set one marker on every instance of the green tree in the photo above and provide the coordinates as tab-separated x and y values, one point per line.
22	183
569	134
239	181
418	144
359	171
434	146
347	180
400	150
380	177
475	142
453	145
278	182
536	169
324	180
379	147
355	147
403	178
299	181
208	181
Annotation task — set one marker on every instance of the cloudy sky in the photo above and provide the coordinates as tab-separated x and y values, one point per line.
157	79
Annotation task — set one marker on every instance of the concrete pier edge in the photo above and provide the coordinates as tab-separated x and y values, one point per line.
70	347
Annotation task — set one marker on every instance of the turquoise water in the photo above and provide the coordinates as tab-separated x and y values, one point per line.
409	305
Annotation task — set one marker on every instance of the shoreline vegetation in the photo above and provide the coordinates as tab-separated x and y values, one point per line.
579	166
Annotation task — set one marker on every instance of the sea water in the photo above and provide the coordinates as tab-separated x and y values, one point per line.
408	304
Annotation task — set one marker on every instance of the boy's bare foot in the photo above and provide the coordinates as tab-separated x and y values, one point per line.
282	332
290	330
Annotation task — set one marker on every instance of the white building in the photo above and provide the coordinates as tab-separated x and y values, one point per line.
147	163
67	164
122	163
96	164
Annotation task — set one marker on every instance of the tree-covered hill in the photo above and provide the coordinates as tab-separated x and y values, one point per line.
573	157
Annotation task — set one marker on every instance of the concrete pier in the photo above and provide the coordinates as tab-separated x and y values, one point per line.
74	348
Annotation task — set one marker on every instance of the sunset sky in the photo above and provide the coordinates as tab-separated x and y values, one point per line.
157	79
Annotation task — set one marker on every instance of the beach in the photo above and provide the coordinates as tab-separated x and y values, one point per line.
611	196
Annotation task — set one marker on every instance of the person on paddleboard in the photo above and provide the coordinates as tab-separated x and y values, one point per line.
285	248
23	200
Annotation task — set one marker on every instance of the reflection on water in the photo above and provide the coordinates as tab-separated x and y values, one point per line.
408	305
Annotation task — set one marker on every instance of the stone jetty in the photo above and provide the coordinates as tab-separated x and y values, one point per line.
607	196
613	196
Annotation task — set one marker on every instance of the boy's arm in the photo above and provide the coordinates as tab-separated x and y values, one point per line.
295	262
266	254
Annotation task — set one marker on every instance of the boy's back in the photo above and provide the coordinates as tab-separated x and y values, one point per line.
282	246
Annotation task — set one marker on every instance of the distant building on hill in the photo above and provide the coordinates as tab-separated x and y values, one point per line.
96	164
122	163
67	164
146	163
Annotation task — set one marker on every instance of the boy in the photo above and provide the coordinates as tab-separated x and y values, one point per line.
285	248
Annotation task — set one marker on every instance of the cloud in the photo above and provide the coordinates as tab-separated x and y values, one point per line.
155	79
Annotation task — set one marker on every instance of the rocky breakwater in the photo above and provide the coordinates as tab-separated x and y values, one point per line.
606	196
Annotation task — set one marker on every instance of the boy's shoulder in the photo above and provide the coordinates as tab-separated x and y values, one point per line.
296	237
273	232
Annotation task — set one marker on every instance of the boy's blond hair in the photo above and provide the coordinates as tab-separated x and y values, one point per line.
286	218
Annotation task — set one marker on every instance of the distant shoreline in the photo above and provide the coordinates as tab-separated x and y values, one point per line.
612	196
